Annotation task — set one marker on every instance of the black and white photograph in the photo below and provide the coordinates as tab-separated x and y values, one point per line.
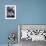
29	34
10	11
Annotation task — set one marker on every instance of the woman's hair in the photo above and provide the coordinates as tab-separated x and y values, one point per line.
9	9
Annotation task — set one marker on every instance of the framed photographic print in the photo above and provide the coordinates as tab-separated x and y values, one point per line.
33	32
10	11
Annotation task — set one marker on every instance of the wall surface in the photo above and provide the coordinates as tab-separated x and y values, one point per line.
31	11
6	26
27	12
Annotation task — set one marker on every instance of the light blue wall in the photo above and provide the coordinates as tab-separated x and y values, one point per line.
6	26
27	12
31	11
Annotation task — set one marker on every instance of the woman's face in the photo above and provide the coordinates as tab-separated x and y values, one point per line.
10	11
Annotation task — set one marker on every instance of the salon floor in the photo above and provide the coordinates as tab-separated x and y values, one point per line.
9	45
30	43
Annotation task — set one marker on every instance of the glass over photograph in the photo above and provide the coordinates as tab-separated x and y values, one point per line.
10	11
